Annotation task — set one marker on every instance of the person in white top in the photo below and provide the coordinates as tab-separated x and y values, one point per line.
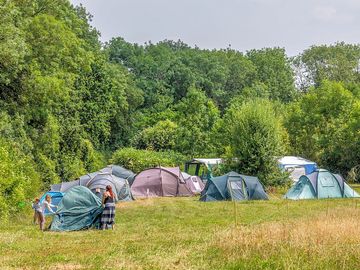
46	204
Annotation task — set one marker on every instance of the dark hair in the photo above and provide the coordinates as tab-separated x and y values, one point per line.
109	189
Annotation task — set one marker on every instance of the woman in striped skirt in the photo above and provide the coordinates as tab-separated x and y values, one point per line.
108	214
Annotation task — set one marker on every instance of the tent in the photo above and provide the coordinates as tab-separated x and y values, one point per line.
99	180
297	166
208	163
158	182
79	209
193	182
233	186
123	173
56	198
320	184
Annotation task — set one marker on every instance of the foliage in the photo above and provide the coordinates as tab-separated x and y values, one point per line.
19	181
256	137
324	126
138	160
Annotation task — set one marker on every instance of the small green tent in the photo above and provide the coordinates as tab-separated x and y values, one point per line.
79	209
320	184
233	186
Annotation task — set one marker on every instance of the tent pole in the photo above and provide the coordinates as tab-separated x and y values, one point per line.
235	213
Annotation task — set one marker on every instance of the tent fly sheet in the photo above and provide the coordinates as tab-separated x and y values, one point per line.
79	209
160	182
233	186
97	182
320	184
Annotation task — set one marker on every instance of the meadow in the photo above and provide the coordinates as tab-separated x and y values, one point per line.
183	233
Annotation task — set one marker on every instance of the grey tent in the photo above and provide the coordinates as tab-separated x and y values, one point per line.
123	173
320	184
98	181
158	182
233	186
79	209
193	182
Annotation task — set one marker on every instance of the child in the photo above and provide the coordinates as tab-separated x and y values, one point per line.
37	209
46	204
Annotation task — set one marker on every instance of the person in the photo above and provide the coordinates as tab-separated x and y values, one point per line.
37	209
46	205
108	214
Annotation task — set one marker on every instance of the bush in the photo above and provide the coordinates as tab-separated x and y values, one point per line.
19	182
256	137
138	160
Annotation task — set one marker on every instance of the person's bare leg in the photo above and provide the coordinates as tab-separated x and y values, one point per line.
42	221
35	218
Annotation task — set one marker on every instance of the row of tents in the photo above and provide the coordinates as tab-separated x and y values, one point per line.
79	201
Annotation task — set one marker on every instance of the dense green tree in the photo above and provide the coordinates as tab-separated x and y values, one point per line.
274	70
256	137
338	62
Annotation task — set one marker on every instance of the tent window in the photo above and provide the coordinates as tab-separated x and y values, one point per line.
327	181
236	185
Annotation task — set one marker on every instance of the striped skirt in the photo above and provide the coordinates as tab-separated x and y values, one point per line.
108	214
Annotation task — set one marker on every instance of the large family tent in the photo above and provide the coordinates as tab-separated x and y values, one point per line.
159	182
123	173
56	198
105	177
98	181
296	166
234	187
320	184
79	209
193	182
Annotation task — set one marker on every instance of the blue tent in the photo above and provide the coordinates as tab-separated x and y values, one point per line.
320	184
233	186
56	198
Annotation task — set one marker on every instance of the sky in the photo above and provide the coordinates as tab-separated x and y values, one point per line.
242	24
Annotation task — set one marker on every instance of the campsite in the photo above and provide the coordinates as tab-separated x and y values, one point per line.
179	134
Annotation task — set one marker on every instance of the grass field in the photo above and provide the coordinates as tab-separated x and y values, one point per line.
183	233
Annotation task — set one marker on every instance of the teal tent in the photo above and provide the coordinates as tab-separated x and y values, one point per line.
320	184
79	209
233	186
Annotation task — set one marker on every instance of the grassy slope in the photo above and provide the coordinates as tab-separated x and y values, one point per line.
182	233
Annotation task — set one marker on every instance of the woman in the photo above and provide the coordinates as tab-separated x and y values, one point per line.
108	214
46	204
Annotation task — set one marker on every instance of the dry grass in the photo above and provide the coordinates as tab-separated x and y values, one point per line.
330	240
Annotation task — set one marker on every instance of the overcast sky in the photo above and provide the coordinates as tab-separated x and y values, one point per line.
245	24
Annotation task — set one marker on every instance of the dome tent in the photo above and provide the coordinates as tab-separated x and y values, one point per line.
193	182
160	182
320	184
79	209
123	173
233	186
99	180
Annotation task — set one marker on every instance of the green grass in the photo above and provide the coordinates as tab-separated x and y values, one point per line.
183	233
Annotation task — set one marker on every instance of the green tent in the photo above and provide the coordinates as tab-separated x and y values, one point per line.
233	186
79	209
320	184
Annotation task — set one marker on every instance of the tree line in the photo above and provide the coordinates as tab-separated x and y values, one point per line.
70	104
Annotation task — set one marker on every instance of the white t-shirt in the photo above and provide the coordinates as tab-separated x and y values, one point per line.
46	205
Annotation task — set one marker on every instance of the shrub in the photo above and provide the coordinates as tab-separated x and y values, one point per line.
138	160
19	182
